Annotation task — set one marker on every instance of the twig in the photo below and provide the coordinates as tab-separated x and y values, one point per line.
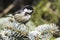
5	11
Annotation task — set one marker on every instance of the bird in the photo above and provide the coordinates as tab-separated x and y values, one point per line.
24	14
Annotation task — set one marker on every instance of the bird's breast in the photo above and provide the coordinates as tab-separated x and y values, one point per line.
22	18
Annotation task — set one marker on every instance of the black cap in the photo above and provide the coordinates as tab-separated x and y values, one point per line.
28	7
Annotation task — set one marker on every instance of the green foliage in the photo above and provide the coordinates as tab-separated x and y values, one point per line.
46	12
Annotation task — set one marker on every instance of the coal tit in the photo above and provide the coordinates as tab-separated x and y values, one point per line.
23	15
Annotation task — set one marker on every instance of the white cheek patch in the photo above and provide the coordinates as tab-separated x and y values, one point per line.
27	10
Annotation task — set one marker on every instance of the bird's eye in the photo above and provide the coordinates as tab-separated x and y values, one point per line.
26	13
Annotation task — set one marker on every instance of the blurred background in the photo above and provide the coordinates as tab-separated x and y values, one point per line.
45	11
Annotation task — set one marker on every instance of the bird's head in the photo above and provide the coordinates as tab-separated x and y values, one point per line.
27	9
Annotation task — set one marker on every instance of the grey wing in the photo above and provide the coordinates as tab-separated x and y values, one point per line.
19	11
